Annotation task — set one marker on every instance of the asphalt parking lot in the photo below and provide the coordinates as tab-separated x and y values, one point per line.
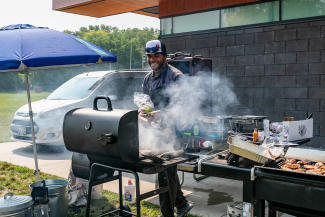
210	196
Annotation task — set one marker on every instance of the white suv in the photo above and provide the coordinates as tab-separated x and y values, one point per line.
77	92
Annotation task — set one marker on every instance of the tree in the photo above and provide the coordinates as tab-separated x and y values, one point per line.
119	42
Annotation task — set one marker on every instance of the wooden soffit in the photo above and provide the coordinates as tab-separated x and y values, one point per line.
102	8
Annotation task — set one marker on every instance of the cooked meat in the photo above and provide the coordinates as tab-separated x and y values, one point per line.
315	171
319	164
291	161
292	166
310	167
300	170
285	168
303	162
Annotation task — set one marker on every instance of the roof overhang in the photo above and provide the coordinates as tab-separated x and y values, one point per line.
154	8
102	8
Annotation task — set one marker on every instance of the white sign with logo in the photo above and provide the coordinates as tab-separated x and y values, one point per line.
296	130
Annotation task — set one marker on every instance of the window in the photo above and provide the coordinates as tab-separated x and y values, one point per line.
243	15
196	22
166	26
293	9
121	92
75	88
250	14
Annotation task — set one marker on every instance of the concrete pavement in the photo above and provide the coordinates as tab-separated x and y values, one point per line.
210	196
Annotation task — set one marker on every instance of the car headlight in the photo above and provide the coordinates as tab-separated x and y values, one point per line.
24	114
55	112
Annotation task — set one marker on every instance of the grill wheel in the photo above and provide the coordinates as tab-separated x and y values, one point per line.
126	208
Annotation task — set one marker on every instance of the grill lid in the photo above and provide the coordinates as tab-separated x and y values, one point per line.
312	154
11	203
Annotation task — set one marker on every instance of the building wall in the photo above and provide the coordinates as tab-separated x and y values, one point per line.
172	7
277	71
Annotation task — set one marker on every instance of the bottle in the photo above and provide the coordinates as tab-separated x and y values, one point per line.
129	192
261	135
284	140
196	130
255	135
207	144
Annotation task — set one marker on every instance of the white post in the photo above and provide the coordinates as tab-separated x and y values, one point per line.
142	60
110	64
32	125
130	56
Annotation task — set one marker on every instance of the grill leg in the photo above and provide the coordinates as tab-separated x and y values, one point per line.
120	192
169	194
260	206
91	176
272	211
137	192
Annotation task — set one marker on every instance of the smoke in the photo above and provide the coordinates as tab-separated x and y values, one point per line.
190	98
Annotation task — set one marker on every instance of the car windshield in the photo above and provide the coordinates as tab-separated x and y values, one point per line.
76	88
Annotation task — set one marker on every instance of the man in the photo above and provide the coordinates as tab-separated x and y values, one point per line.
156	85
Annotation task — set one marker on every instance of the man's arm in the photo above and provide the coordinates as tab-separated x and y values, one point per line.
142	114
144	86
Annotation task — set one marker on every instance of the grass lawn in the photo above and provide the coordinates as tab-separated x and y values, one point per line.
9	103
16	179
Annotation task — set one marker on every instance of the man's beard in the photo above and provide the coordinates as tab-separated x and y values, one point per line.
160	65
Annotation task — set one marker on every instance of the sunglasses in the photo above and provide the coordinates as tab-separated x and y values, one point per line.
152	49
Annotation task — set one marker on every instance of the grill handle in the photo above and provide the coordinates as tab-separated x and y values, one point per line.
8	194
107	138
178	56
108	100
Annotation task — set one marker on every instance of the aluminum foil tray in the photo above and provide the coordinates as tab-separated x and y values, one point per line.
249	150
211	120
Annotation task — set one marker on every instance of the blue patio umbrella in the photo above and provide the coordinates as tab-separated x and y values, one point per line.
23	46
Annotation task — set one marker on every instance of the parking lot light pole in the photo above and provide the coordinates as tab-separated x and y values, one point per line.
130	56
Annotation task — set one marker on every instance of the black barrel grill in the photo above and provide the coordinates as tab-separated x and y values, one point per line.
110	139
295	193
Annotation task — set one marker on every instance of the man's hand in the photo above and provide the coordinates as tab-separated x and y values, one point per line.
143	116
154	116
146	152
151	117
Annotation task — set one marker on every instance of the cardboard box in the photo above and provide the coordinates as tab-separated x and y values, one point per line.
296	130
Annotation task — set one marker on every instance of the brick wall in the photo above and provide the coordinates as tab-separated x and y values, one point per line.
277	71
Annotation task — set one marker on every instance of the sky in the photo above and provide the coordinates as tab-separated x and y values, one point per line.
39	13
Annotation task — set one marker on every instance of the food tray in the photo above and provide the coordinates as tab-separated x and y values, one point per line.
211	120
250	151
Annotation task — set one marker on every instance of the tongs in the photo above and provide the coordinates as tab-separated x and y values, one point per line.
159	159
172	153
153	158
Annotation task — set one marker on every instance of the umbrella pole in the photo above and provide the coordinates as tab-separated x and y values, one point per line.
32	124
